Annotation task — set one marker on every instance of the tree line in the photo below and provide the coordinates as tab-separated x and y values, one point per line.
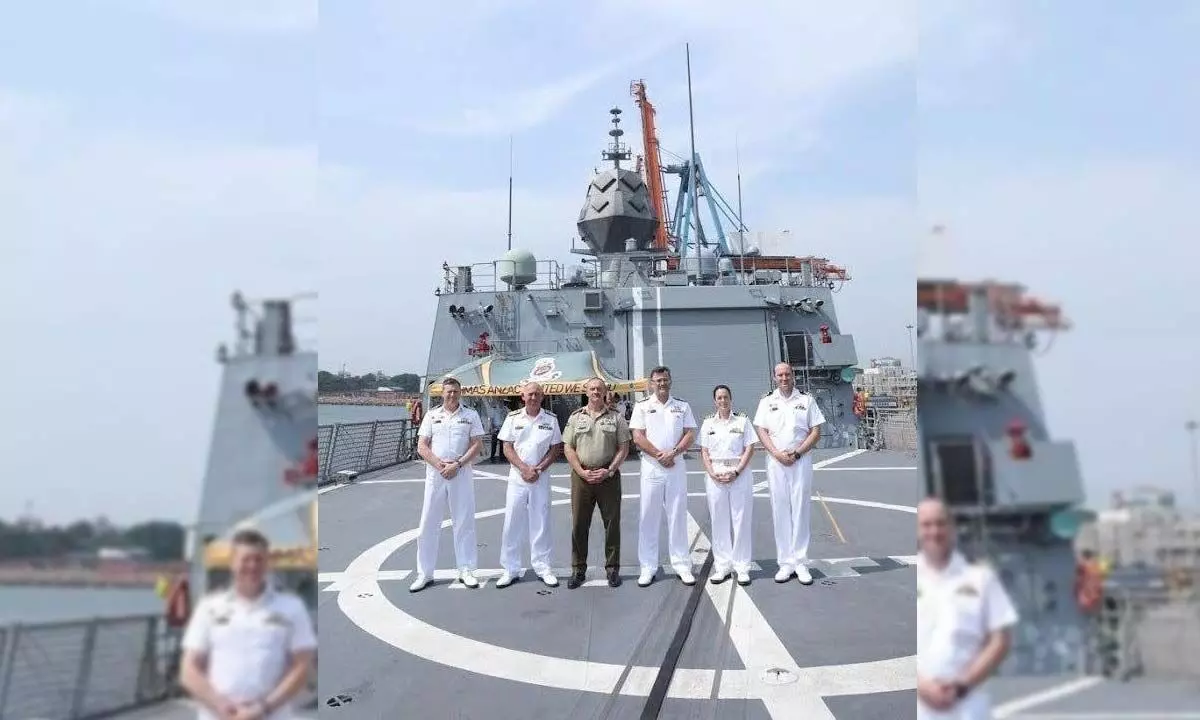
328	382
25	540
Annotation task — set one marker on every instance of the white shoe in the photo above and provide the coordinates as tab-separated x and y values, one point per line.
504	580
803	575
419	584
646	578
784	574
549	578
687	577
466	577
743	577
718	576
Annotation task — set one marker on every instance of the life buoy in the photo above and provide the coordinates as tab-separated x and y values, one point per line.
179	604
417	413
860	405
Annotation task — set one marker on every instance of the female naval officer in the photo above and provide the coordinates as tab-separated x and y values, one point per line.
726	445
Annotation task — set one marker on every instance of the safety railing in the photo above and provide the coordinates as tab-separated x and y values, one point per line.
363	447
86	669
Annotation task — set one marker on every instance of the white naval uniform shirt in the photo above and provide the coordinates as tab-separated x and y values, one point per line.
727	439
788	420
956	609
249	643
451	432
531	438
664	424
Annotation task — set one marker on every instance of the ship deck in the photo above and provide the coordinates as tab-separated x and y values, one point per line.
840	648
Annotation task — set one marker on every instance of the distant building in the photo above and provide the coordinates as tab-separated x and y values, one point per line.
1144	528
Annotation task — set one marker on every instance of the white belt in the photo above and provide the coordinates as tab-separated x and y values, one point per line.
727	462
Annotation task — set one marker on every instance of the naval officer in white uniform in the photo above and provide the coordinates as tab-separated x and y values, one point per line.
450	437
964	617
663	428
726	445
789	425
248	650
532	442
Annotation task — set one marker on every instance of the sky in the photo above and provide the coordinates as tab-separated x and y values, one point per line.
1058	147
154	157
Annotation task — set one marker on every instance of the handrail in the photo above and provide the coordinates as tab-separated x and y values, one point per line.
364	446
84	669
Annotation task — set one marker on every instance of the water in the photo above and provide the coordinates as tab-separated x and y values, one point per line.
333	414
34	604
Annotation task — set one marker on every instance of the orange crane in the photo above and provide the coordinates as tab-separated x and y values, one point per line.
658	193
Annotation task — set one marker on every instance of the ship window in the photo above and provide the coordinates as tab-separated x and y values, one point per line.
957	469
797	349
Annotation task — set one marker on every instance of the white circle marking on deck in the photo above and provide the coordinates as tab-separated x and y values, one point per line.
364	604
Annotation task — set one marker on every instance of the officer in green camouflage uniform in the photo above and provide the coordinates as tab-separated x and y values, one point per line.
595	442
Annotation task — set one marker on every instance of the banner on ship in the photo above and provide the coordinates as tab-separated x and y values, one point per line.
558	374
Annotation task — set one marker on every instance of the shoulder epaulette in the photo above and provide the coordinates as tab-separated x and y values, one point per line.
645	399
768	393
549	413
579	409
514	412
739	414
710	416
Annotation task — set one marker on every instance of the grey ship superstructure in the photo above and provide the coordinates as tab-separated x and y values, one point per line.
650	290
986	449
262	459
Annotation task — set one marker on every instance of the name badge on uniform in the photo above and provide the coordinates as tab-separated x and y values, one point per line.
543	427
652	410
712	432
773	408
967	591
518	427
277	619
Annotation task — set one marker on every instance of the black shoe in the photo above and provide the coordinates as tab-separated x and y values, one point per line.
576	580
614	578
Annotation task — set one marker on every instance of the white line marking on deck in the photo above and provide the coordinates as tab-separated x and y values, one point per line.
364	604
1110	716
1012	707
835	568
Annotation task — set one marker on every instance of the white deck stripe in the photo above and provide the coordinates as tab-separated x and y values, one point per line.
1012	707
365	605
1143	715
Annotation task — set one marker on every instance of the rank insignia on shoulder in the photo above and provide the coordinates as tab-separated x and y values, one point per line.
514	412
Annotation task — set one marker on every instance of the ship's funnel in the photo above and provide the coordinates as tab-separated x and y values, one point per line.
273	336
617	215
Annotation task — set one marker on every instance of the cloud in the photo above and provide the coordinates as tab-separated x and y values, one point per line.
236	16
120	257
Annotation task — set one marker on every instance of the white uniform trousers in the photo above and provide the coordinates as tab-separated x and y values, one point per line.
733	501
790	489
976	706
526	517
460	491
669	492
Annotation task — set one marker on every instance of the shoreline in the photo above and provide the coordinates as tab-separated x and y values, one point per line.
387	400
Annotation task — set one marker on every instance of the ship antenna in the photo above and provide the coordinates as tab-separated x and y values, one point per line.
510	183
695	174
617	151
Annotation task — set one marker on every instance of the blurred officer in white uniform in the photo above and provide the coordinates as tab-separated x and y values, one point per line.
532	442
726	445
450	437
663	428
789	425
247	650
963	621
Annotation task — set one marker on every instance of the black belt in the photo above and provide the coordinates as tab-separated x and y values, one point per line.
594	467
